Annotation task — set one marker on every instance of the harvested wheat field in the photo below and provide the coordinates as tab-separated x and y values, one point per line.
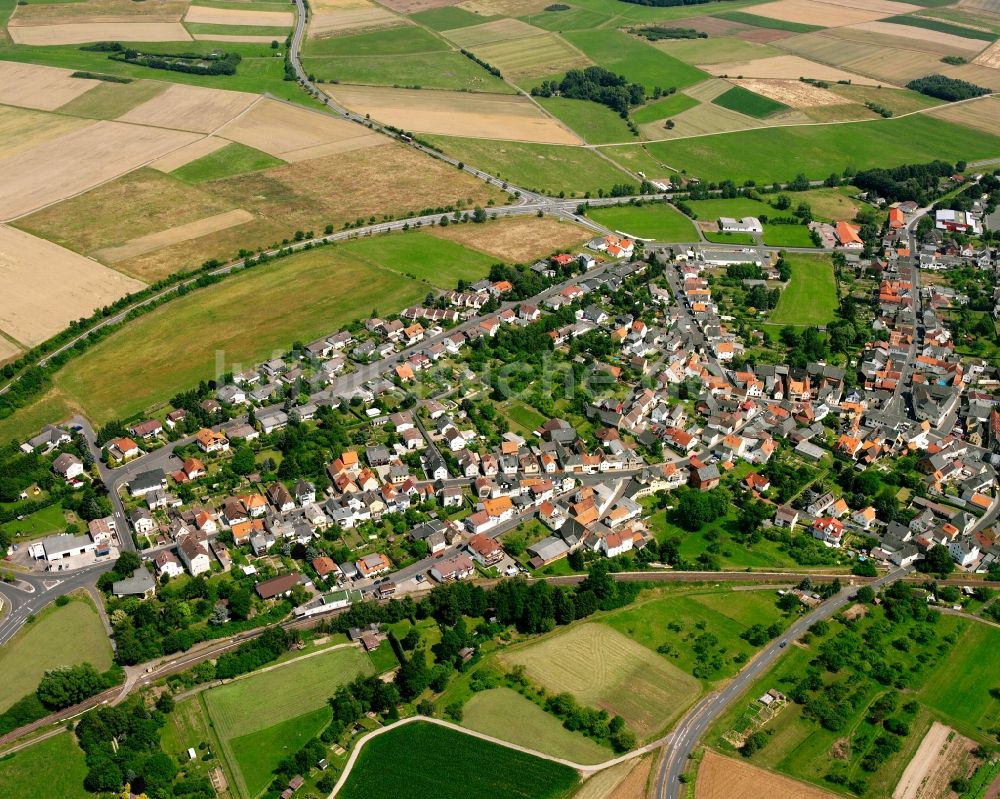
793	93
296	134
707	90
728	778
413	6
41	88
812	12
340	20
942	756
919	36
8	350
982	114
65	166
783	67
701	120
227	16
622	781
46	287
21	130
533	56
502	30
192	108
603	668
506	8
175	235
517	240
56	13
191	152
483	116
974	73
990	57
80	33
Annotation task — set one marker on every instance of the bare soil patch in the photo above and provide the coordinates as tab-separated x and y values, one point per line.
516	240
21	130
185	155
943	753
174	235
982	114
793	93
192	108
764	35
38	87
727	778
783	67
227	16
716	26
297	134
483	116
352	20
506	8
65	166
412	6
990	57
45	286
79	33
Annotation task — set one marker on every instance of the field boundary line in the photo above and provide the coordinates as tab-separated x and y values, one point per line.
587	771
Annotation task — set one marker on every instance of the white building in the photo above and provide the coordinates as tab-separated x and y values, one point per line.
748	224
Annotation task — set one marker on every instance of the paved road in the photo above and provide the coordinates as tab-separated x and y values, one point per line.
696	722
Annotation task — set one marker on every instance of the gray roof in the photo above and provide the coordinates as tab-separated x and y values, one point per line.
138	584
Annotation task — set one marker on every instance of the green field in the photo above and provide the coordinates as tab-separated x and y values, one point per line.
62	636
657	221
723	613
259	752
528	419
737	207
110	100
393	41
253	715
663	109
811	295
635	59
420	760
767	22
596	123
942	27
448	18
747	102
787	236
605	669
51	768
961	693
572	19
780	153
47	521
420	256
735	239
233	159
545	167
207	28
503	713
433	70
308	295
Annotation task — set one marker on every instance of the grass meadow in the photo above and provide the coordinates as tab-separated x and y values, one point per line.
431	70
749	103
663	109
810	298
767	22
636	60
503	713
54	767
257	753
47	521
59	636
411	762
595	123
650	221
420	256
233	159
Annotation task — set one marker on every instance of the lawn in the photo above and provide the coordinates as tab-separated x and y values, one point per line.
657	221
737	207
528	419
47	521
54	767
787	236
503	713
780	153
52	406
663	109
210	331
605	669
811	295
60	636
747	102
233	159
960	690
723	613
428	760
258	753
550	168
420	256
635	59
596	123
252	715
432	70
730	238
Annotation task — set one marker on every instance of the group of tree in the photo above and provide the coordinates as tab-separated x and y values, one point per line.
597	84
944	88
917	182
657	32
697	509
